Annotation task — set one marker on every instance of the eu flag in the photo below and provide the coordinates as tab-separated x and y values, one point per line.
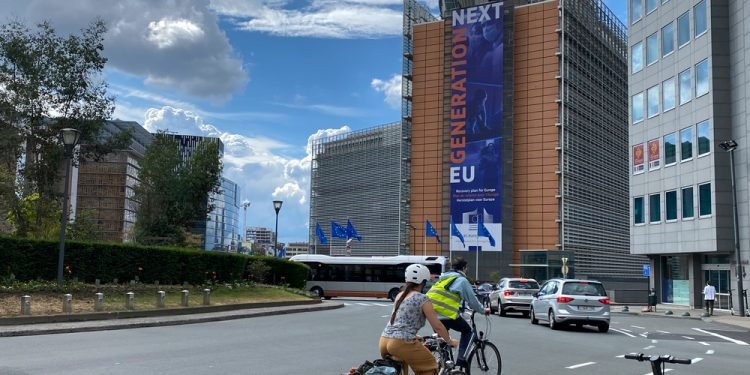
351	232
321	236
429	231
457	233
338	231
482	231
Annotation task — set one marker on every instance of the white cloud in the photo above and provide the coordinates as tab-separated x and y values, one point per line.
391	88
167	32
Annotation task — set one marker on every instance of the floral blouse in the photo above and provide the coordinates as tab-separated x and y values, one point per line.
409	319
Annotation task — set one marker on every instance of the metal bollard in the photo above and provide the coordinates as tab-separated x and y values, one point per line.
206	296
185	294
68	304
161	297
99	302
129	300
26	305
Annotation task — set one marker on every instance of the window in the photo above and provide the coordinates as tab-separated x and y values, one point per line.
686	144
638	214
667	39
670	201
704	138
670	149
637	108
636	10
652	48
651	5
701	78
636	58
685	89
683	29
654	208
687	203
667	94
701	20
653	101
704	199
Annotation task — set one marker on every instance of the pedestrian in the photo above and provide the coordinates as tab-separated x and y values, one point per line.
709	295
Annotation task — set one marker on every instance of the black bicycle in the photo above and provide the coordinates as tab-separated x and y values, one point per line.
483	356
658	362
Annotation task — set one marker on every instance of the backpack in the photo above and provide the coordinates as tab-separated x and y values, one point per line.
385	366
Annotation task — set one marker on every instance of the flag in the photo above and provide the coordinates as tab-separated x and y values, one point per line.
482	231
456	233
430	231
338	231
321	236
282	252
351	232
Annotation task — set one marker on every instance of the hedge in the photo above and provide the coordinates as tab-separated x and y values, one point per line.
87	261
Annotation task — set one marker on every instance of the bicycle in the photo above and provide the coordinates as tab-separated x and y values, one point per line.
483	356
658	362
443	354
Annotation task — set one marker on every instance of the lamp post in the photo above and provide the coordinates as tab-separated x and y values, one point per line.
245	205
729	146
70	139
277	207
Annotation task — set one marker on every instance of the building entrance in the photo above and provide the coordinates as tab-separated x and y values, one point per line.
719	278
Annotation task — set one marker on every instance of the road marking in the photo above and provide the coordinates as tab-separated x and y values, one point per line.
664	332
385	316
363	304
738	342
347	304
638	327
696	360
704	343
620	356
580	365
710	351
624	333
649	347
688	337
654	341
626	330
382	304
644	335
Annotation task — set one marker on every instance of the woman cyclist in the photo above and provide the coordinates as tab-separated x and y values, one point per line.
411	309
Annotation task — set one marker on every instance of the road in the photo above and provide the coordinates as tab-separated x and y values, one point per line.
329	342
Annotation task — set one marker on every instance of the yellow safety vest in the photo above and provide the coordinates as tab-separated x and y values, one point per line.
444	302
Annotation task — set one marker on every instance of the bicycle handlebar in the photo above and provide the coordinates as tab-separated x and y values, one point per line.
640	357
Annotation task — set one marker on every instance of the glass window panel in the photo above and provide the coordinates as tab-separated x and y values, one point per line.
654	208
701	19
667	39
636	58
636	10
651	5
686	144
701	78
687	203
637	107
653	101
670	201
638	213
670	149
683	29
652	49
668	93
704	137
685	88
704	196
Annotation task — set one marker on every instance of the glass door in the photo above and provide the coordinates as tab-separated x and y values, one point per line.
720	280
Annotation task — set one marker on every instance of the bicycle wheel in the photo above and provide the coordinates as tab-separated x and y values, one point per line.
485	359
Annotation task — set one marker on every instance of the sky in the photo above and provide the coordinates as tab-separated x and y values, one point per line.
265	76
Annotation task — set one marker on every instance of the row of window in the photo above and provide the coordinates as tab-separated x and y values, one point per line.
636	8
671	209
663	97
669	141
652	45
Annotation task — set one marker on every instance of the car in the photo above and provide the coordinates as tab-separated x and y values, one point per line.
571	301
513	294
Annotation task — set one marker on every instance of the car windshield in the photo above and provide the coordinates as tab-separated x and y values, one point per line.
582	288
523	284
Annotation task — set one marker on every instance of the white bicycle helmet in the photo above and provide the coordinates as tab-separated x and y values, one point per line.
417	273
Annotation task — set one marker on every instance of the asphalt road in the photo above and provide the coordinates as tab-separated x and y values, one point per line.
329	342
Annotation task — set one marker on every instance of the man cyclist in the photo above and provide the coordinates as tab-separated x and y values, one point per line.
446	295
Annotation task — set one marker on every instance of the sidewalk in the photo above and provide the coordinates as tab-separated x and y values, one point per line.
678	312
43	325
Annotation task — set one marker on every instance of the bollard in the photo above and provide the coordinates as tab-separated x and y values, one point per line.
185	294
206	296
130	296
668	312
685	314
26	305
68	304
99	302
161	296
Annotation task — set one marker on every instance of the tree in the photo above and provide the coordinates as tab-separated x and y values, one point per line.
173	194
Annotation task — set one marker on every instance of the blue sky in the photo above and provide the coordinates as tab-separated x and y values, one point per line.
266	76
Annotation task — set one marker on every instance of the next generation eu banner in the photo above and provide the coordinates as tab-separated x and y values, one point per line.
477	127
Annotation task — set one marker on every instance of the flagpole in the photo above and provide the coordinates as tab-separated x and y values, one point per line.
476	243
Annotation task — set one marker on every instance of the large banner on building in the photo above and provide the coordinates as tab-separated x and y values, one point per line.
476	128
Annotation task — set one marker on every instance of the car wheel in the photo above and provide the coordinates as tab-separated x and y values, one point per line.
392	294
552	323
534	320
501	309
317	291
604	327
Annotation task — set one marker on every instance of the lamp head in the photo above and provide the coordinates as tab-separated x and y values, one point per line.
245	204
729	145
277	205
70	136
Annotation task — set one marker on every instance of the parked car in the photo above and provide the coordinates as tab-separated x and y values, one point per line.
571	301
513	294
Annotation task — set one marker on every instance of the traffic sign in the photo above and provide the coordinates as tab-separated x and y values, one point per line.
646	270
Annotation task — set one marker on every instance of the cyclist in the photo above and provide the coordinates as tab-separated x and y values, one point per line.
410	310
446	295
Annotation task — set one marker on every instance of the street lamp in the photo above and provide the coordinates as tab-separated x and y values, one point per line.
70	139
245	205
277	207
729	146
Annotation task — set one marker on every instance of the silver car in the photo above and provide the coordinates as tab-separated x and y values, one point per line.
570	301
513	294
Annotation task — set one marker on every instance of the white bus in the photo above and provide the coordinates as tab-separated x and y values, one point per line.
347	276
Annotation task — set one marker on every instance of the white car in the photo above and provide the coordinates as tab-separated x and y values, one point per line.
513	294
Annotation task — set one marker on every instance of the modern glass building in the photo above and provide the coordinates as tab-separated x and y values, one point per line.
688	98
